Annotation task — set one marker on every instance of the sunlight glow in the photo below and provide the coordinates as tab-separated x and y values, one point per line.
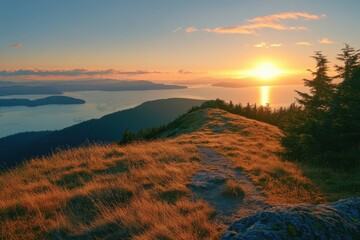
264	95
266	70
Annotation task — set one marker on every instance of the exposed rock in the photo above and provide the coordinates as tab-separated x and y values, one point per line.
339	220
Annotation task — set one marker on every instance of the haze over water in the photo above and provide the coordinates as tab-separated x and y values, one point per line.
52	117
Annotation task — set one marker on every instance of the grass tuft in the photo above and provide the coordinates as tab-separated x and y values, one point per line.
172	195
113	153
112	196
13	212
74	180
81	209
232	189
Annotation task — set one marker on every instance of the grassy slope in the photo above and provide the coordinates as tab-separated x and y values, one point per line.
139	190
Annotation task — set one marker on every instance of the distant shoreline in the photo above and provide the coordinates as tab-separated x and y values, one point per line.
59	87
52	100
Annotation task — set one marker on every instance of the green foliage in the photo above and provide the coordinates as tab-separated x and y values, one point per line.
321	88
334	183
327	131
128	137
304	135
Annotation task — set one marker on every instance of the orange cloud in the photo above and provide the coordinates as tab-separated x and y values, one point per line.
271	21
191	29
303	43
284	16
326	41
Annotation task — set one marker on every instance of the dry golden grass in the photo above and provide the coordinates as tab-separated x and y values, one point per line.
138	191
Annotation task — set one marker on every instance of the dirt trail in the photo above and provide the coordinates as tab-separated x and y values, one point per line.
209	182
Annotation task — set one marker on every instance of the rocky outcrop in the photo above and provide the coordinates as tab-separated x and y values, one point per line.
339	220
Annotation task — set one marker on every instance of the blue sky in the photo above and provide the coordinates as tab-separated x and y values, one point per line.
141	35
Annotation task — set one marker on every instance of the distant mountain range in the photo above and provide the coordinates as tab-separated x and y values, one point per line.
52	100
15	148
58	87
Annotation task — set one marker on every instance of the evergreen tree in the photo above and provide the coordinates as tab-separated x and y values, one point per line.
128	137
321	87
345	107
345	110
307	133
350	58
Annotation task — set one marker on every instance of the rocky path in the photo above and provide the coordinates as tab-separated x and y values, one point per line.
208	183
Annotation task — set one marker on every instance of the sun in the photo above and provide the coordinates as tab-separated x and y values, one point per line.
266	70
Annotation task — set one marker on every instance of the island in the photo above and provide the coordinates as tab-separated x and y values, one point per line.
52	100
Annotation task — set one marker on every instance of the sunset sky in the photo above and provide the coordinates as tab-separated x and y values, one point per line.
170	40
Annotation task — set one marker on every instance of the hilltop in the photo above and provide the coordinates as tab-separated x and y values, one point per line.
155	189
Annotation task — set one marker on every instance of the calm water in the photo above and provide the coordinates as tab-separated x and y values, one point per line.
51	117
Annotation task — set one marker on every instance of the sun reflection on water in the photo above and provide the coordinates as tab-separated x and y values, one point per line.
264	95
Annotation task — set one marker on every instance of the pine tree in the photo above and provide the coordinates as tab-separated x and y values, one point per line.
346	98
350	58
321	87
345	110
306	134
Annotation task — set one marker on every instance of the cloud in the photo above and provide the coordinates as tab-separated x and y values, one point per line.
326	41
276	45
260	45
189	72
16	45
178	29
267	45
137	72
230	30
274	21
73	72
191	29
303	43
